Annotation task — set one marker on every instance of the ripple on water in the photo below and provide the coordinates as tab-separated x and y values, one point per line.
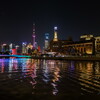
49	77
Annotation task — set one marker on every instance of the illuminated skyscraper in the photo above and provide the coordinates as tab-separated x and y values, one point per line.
5	47
24	49
55	34
46	40
29	48
33	36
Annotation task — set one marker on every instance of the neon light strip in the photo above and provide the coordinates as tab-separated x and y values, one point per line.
14	56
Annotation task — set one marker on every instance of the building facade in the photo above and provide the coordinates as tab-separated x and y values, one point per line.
97	44
87	45
73	48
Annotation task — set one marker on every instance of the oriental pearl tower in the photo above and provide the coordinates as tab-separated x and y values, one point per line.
33	35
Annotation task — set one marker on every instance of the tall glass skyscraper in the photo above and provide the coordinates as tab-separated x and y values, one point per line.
46	40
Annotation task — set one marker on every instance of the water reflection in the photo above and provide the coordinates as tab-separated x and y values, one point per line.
87	76
1	65
49	76
46	71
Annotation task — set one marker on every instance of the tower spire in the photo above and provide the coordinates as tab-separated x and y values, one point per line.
33	35
55	34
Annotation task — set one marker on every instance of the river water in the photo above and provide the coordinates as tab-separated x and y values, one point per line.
28	79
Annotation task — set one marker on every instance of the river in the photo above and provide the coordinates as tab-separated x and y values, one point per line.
28	79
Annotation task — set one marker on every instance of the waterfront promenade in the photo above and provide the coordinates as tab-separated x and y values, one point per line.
87	58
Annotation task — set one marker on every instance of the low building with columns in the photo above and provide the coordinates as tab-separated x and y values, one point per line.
87	45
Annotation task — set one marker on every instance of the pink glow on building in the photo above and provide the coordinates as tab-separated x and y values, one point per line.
14	52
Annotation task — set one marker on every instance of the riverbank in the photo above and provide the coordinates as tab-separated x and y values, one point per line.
93	58
87	58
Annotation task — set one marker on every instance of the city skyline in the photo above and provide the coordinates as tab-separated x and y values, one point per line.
72	19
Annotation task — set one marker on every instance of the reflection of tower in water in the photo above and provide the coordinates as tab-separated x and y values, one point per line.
2	65
46	71
31	68
54	68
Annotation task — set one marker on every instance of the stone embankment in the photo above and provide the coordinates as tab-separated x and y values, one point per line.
92	58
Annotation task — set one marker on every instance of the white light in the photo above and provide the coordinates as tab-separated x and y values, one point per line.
55	28
4	44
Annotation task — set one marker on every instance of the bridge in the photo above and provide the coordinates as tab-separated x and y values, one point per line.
17	56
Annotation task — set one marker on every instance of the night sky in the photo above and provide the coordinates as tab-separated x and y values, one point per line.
71	18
